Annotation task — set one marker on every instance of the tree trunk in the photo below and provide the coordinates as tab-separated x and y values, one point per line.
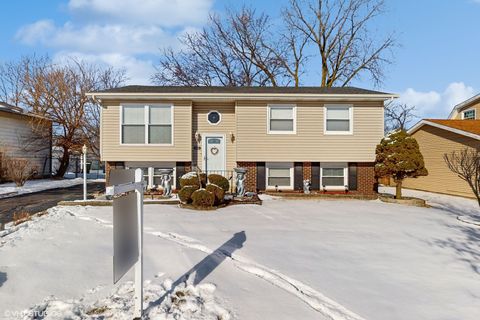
64	162
398	191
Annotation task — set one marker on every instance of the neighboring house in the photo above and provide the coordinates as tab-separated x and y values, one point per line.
281	135
467	110
19	139
438	137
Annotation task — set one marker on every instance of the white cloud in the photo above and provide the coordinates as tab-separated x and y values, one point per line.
434	104
97	38
138	70
130	34
160	12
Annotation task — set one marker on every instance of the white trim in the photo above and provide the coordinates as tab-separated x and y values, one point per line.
350	118
204	149
243	96
343	165
220	115
282	106
146	123
279	165
470	109
421	123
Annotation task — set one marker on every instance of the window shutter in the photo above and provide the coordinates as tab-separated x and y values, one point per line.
315	176
352	176
261	176
298	176
180	171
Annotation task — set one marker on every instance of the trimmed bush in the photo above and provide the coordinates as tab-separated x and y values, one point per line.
203	198
185	194
192	179
220	181
218	192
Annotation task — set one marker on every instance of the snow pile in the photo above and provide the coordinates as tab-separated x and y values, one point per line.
37	185
161	301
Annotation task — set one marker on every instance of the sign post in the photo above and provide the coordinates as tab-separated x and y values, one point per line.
128	228
84	150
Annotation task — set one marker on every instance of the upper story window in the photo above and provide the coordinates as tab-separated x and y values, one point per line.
338	119
133	124
282	119
147	124
469	114
214	117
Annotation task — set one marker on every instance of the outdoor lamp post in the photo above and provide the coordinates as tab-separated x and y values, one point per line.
84	150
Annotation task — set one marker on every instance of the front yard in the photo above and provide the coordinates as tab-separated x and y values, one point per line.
286	259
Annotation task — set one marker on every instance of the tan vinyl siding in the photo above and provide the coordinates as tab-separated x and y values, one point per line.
309	143
225	127
112	150
434	143
17	139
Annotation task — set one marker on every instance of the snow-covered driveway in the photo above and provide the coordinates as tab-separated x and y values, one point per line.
287	259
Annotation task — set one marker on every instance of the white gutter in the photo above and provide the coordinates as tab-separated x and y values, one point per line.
421	123
242	96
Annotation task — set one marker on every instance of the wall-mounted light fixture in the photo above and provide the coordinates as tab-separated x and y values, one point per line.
232	137
198	137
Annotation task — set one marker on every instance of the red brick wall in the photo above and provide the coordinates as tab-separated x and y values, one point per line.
307	171
366	182
251	177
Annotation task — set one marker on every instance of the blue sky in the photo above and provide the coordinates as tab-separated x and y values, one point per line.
436	66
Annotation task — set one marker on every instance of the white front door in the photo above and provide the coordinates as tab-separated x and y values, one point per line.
214	153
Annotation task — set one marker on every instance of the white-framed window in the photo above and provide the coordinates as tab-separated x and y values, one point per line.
151	172
214	117
146	124
133	124
282	119
279	175
338	119
468	114
334	175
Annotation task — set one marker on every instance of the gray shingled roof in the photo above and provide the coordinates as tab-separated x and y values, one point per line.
236	90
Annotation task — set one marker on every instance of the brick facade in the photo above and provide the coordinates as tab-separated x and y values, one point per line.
307	171
366	182
251	177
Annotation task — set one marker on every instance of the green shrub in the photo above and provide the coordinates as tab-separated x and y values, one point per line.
220	181
203	198
218	192
185	194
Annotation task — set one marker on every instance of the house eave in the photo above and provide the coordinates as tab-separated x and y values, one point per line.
421	123
241	96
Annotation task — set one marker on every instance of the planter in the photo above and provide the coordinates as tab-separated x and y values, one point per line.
409	201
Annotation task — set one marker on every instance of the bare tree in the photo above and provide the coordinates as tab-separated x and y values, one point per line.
466	165
398	116
238	50
342	33
245	48
57	92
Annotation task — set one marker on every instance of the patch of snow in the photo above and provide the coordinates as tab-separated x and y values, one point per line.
9	189
161	301
188	175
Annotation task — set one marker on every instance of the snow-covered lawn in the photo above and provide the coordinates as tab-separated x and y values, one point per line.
287	259
9	189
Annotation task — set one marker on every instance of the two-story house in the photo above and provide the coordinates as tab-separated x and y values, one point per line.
437	137
281	135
